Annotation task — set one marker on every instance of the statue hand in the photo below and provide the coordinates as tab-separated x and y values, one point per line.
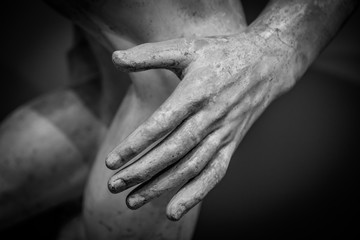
227	81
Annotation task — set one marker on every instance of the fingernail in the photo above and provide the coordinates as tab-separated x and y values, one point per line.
113	161
135	201
175	213
116	186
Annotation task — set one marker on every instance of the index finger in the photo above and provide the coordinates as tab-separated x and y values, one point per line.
169	115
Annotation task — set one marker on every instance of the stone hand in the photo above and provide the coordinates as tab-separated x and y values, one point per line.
226	82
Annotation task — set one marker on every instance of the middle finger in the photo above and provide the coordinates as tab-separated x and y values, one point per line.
170	150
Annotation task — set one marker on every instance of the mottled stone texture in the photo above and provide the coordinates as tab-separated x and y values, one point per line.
210	76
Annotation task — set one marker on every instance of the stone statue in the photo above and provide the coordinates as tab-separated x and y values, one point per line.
208	77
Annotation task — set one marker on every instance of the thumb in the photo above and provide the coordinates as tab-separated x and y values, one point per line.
174	55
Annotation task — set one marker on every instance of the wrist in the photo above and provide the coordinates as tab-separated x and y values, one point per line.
285	64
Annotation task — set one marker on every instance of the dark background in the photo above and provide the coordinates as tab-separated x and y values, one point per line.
294	176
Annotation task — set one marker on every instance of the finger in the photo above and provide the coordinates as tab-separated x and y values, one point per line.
168	116
196	189
178	175
170	150
172	54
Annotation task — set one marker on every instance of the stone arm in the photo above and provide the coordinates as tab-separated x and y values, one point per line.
227	82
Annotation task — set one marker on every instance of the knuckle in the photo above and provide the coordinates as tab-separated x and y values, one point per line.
219	175
127	153
193	137
214	142
221	170
193	167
